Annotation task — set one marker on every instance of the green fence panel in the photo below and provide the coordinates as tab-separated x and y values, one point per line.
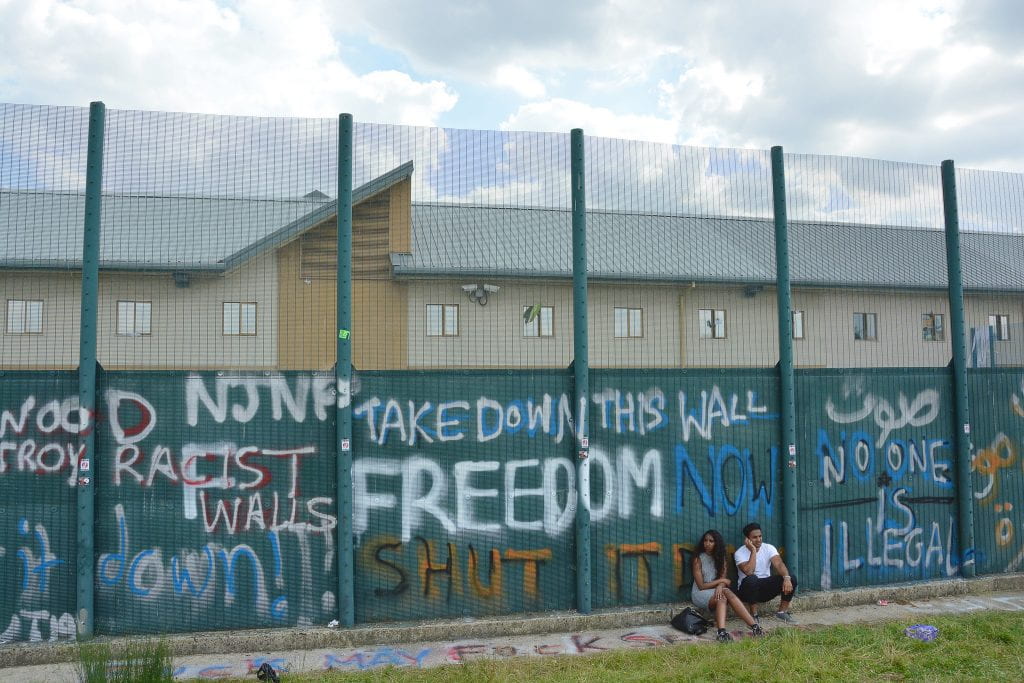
997	408
38	463
674	453
215	504
215	498
464	491
877	476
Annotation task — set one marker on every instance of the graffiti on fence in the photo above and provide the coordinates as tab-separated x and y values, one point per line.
216	494
996	464
885	474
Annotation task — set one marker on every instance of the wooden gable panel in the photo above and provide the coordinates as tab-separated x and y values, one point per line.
370	252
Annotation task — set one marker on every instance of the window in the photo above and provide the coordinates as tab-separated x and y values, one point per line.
798	324
712	323
629	322
538	321
24	317
1000	325
933	327
239	319
864	327
133	317
442	320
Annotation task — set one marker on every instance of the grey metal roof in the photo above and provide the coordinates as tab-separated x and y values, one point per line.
43	230
174	233
457	240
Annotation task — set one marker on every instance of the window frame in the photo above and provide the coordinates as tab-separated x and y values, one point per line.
865	317
630	318
1001	328
537	323
711	324
135	319
240	332
938	331
25	318
444	309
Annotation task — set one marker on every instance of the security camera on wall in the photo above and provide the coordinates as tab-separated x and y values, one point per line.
479	293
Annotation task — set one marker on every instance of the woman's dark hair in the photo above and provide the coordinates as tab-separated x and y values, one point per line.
718	554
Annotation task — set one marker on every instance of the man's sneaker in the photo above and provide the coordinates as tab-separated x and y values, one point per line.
785	616
723	636
756	630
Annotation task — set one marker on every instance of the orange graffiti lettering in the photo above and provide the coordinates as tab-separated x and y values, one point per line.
1001	453
531	560
493	590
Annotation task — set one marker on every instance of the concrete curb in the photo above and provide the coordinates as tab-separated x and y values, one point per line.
267	640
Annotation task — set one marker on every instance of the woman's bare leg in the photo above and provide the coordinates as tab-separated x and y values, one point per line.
720	612
739	608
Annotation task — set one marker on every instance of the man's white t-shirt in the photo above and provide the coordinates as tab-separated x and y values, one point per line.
763	564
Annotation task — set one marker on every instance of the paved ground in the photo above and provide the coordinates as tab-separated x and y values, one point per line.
436	653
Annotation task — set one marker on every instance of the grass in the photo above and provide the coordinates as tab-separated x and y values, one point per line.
143	661
982	646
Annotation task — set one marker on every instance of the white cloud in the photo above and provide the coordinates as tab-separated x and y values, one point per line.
519	80
562	115
256	58
894	33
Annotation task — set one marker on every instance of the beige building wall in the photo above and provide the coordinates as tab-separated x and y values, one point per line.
491	336
658	347
829	339
186	325
751	330
57	345
977	309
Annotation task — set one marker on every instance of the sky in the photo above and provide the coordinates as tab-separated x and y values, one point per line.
913	80
680	100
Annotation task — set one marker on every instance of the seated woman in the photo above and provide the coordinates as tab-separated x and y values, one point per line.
711	590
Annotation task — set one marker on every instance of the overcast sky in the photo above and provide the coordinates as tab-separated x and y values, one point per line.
907	80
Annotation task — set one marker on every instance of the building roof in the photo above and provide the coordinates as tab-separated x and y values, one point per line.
161	233
150	233
460	240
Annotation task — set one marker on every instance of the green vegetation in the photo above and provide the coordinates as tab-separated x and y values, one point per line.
143	661
983	646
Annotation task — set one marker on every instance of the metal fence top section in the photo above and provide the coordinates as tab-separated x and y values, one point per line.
181	233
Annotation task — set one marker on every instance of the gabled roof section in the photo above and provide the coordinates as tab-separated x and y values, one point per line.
43	230
452	240
289	232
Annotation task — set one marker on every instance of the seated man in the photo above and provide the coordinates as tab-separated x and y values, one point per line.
754	562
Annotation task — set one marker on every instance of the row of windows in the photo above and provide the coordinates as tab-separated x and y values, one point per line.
239	319
134	318
443	321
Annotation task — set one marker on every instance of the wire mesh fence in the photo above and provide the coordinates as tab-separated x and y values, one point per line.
216	439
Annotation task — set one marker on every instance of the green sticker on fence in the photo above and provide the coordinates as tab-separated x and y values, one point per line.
343	334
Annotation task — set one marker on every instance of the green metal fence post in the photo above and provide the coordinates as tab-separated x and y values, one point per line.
962	430
343	375
787	401
581	369
87	371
